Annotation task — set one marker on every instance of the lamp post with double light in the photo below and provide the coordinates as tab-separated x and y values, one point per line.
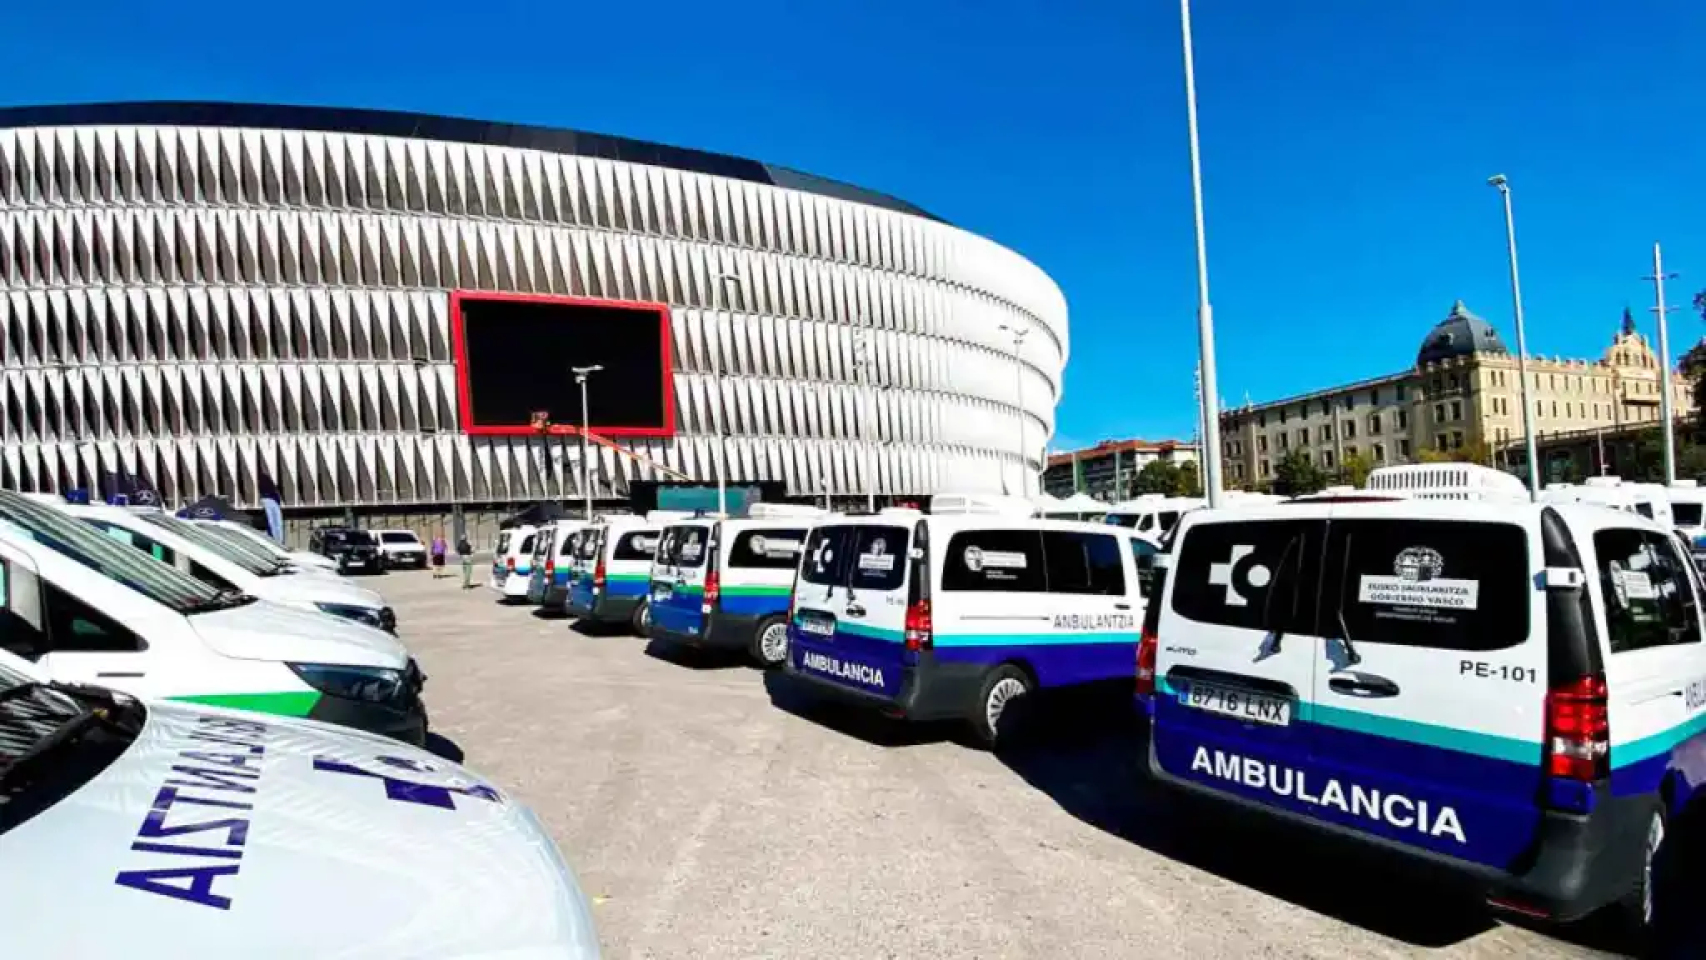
581	376
720	306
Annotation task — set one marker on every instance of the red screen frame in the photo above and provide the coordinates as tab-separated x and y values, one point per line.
464	390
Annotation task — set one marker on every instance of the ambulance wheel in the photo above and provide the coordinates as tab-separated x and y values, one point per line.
999	712
641	620
770	643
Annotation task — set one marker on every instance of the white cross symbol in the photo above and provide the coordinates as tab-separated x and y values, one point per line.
1220	575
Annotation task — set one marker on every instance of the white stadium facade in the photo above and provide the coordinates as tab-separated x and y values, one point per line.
205	296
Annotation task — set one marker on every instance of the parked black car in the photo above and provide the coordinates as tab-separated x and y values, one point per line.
354	550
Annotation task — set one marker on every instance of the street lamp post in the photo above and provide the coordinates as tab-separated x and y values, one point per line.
1659	277
720	304
1501	184
1210	412
581	375
861	363
1018	336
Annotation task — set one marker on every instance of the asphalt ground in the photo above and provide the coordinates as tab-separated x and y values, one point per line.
711	812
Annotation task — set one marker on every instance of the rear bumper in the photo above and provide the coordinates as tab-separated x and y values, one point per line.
928	690
556	597
604	608
1576	865
719	631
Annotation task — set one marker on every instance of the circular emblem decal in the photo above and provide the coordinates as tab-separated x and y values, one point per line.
879	547
1419	563
204	513
974	559
759	543
145	497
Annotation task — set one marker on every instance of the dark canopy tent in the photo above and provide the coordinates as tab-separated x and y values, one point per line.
213	507
536	515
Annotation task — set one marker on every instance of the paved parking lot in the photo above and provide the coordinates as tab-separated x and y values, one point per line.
706	821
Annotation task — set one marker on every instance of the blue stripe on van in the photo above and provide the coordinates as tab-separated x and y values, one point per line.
753	604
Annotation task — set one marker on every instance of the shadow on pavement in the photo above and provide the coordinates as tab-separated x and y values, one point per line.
793	697
444	748
1098	774
693	658
549	613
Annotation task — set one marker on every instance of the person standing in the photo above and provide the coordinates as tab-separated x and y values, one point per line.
465	550
439	548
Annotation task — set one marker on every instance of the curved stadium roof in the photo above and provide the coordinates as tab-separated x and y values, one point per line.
423	126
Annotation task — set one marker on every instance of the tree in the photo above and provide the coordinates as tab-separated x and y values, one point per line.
1475	451
1158	476
1355	468
1190	480
1169	478
1297	474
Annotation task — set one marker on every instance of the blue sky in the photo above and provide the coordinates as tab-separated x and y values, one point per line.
1346	144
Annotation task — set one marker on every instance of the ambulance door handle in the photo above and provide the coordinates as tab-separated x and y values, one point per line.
120	676
1122	606
854	610
1362	685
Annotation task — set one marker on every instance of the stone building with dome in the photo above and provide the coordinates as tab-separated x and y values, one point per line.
1461	396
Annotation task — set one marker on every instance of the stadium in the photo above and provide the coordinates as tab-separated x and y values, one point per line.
380	313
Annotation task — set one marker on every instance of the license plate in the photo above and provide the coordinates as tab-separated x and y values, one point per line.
1238	704
823	628
661	593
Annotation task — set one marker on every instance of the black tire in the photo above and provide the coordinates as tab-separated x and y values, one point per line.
995	724
641	619
756	646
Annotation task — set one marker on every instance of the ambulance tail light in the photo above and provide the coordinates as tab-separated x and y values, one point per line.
919	627
1578	730
550	565
713	587
509	564
598	573
1146	664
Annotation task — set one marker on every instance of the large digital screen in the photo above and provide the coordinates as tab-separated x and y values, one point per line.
515	356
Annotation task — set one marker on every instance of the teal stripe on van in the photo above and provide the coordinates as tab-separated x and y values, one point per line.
1511	749
1623	754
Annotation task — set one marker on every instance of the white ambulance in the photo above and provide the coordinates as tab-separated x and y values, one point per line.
199	553
151	829
726	584
963	616
87	608
1514	690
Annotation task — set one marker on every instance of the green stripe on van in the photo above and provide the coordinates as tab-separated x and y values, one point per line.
628	577
757	590
292	703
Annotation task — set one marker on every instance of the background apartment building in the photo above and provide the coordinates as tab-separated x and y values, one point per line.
1108	471
1462	397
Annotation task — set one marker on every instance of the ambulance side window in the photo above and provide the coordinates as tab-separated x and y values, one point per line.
1083	563
767	549
1004	561
1649	597
1143	554
639	545
74	626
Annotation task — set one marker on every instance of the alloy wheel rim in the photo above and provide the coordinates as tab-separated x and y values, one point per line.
1004	692
774	643
1655	839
